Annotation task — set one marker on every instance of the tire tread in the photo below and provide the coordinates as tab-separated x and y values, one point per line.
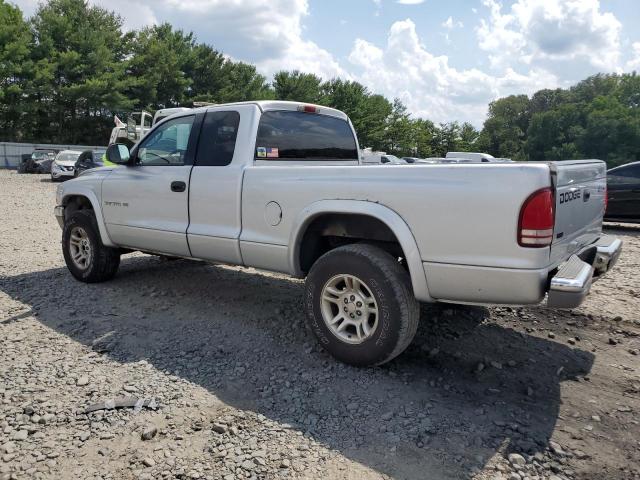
400	283
106	260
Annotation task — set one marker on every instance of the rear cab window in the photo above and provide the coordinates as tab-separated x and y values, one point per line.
291	135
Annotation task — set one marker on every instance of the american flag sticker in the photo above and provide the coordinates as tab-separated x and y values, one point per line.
272	152
262	152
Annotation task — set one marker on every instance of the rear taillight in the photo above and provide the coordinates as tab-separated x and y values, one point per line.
537	216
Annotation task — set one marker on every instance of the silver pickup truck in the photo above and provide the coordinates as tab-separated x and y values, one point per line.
279	186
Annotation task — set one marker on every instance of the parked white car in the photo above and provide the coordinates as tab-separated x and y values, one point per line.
279	186
63	165
384	159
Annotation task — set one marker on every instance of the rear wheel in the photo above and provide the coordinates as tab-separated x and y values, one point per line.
360	305
86	257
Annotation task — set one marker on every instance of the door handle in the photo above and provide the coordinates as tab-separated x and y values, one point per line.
178	186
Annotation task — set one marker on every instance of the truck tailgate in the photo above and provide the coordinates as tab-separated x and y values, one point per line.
580	203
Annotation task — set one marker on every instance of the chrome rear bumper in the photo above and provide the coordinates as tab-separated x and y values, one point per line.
571	284
608	252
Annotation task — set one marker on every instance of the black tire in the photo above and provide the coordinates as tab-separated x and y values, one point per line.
390	286
104	261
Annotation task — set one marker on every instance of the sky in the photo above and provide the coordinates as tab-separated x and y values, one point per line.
445	59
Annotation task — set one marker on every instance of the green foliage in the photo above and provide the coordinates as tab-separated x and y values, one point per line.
505	130
16	67
297	86
245	83
597	118
160	56
78	55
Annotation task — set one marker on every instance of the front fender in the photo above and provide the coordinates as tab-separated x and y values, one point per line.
380	212
76	190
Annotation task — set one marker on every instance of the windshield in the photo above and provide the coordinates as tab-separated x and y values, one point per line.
68	157
41	155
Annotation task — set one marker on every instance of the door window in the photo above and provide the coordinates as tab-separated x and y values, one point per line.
288	135
217	139
167	144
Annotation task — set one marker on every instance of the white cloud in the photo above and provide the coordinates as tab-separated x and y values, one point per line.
426	83
305	56
410	2
551	32
27	6
267	33
134	14
450	24
634	63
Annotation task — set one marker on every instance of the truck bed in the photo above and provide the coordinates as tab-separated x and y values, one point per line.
464	218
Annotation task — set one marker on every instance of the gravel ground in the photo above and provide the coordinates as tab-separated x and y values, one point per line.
236	388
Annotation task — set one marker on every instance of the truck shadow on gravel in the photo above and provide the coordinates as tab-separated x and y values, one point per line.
466	389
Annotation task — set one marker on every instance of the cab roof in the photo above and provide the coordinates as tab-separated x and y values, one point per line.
270	105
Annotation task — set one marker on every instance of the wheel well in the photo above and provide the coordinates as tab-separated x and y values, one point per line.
76	202
333	230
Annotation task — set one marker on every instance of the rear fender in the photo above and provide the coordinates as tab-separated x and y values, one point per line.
380	212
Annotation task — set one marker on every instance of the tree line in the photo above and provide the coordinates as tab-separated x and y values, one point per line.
597	118
66	71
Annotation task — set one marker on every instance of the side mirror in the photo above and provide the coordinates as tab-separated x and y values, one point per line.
118	153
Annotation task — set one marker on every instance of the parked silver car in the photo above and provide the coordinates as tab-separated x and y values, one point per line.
64	165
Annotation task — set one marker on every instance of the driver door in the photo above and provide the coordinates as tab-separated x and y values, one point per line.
145	204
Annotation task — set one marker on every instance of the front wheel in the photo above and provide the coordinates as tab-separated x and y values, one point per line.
360	305
86	257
